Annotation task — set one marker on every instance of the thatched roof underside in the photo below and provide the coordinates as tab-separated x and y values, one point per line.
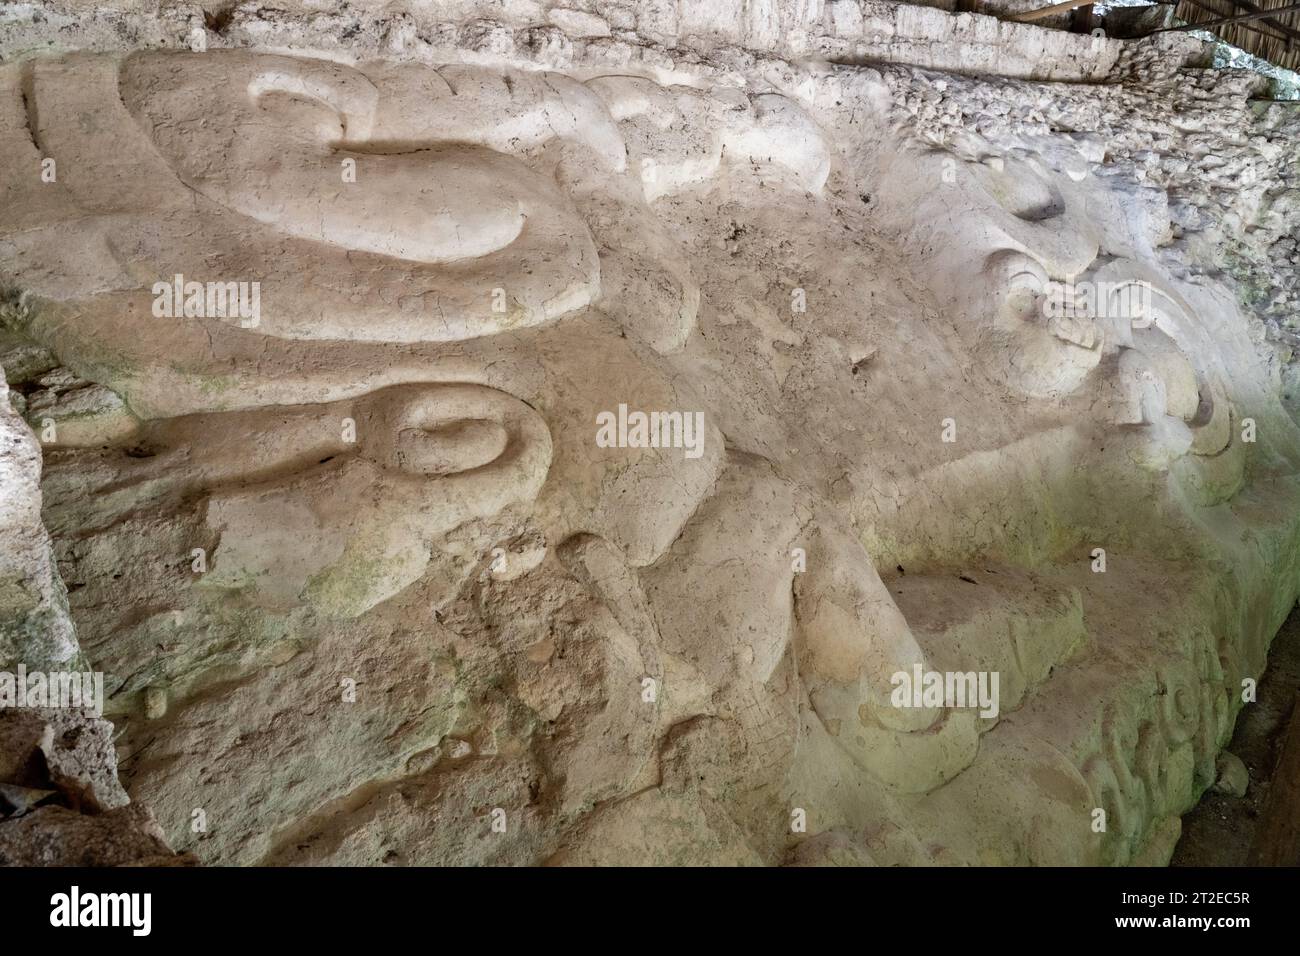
1276	38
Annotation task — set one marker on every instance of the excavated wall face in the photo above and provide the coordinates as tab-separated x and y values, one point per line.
342	336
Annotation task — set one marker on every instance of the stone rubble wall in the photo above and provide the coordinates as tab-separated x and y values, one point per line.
849	31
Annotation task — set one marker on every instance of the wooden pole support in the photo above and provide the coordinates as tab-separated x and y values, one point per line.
1042	12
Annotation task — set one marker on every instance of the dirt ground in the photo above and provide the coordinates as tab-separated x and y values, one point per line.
1219	831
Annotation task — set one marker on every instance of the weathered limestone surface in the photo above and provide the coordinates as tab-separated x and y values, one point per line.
61	803
365	584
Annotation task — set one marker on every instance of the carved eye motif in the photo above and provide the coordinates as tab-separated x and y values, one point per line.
478	446
349	100
448	447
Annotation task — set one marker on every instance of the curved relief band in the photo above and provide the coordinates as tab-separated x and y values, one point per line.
467	241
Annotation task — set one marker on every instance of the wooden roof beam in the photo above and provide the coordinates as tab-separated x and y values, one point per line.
1282	28
1243	18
